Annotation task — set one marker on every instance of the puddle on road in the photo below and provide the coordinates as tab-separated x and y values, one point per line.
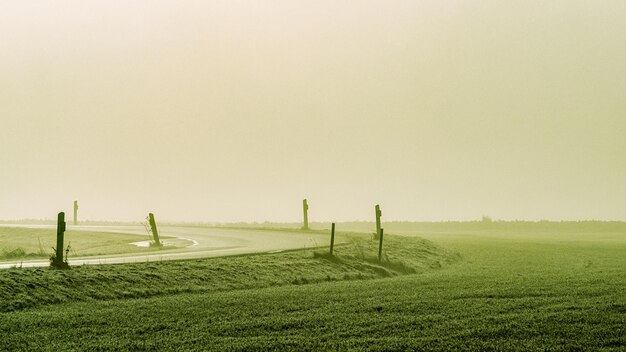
169	242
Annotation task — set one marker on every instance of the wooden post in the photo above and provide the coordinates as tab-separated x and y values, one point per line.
380	246
75	212
60	235
153	227
378	215
332	238
305	210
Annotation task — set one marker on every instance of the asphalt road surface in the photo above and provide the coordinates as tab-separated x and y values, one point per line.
203	242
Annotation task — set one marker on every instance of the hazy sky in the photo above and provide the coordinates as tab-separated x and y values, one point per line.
236	110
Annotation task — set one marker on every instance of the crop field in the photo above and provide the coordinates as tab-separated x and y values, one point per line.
443	288
37	243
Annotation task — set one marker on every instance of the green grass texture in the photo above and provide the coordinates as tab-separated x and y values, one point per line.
514	289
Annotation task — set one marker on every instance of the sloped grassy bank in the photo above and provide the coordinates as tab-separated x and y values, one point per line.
23	288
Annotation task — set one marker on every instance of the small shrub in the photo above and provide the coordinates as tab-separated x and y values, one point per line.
58	263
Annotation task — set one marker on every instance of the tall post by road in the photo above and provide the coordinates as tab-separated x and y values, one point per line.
378	215
380	246
153	228
332	238
60	235
305	211
75	212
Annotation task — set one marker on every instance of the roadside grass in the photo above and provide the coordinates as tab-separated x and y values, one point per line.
30	287
35	243
517	291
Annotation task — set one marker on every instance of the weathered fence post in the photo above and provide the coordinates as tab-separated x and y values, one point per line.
153	227
75	212
378	215
332	238
60	235
380	246
305	210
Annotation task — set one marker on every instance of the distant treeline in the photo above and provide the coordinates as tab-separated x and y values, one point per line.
493	226
394	226
54	221
467	226
485	225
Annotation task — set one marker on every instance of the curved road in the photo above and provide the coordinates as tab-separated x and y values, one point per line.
207	242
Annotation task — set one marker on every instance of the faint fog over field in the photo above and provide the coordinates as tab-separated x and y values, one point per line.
236	110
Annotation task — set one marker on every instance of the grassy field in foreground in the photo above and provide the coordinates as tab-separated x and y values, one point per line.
36	243
30	287
513	291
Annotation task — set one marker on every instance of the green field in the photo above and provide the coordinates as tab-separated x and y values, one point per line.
37	243
444	287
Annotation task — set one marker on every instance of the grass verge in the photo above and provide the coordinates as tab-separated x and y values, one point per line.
31	287
36	243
